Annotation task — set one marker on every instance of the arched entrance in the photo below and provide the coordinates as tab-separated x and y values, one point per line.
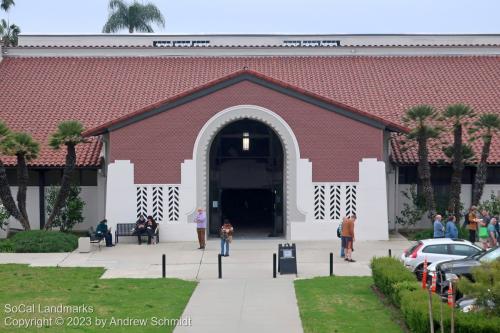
246	165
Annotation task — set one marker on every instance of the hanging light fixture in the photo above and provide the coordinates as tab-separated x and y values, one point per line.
246	141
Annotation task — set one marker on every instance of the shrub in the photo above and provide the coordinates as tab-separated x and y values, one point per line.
4	215
6	245
388	274
72	211
41	241
414	209
463	233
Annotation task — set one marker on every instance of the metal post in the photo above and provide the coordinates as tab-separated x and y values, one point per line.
163	266
274	265
331	264
390	253
220	266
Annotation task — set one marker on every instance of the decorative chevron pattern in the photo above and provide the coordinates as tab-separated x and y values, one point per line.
335	202
173	203
350	195
160	201
332	201
319	202
142	200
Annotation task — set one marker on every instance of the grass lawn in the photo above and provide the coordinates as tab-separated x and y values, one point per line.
109	298
342	304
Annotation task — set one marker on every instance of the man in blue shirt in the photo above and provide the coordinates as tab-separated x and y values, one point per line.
438	227
451	228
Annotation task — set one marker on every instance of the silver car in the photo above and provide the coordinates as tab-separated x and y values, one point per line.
436	249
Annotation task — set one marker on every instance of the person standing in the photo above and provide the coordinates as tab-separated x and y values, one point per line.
438	227
472	224
339	234
201	226
451	230
226	236
492	232
348	238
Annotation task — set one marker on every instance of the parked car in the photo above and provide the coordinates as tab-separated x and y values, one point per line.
436	249
456	269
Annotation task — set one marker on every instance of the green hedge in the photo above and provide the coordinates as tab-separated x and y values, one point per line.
6	245
389	275
41	241
463	233
414	306
403	290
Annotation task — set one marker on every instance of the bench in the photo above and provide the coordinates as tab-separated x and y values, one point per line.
127	229
94	239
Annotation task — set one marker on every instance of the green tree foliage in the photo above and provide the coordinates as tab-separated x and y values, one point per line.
4	215
484	128
69	134
9	33
72	211
6	4
134	17
421	120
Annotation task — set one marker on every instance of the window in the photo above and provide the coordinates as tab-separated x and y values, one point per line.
463	250
439	249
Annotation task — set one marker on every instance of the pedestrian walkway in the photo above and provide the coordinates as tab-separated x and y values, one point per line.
244	306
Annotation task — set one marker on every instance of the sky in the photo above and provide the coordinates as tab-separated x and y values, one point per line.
271	16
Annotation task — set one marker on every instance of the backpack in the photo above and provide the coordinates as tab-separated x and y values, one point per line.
339	231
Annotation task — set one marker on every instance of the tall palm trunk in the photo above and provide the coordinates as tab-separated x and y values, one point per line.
481	173
456	176
7	199
63	194
424	172
22	183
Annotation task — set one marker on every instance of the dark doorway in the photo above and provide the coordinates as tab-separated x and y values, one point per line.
246	180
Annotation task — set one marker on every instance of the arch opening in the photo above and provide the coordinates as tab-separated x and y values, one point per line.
246	173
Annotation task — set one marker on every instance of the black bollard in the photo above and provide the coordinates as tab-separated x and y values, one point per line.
390	253
274	265
331	264
163	266
220	266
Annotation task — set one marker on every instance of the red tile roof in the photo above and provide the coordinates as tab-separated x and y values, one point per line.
37	93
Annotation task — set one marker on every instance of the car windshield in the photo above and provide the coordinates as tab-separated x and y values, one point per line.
490	255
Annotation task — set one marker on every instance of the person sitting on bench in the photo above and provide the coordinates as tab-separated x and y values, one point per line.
140	228
151	228
102	231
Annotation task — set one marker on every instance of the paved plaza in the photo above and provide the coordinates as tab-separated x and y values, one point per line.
247	299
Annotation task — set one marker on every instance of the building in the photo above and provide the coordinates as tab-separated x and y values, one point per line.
282	134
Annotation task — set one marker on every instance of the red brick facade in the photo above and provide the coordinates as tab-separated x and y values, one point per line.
158	145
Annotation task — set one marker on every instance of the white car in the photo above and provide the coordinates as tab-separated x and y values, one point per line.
436	249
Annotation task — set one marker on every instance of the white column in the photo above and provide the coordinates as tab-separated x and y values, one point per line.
372	223
120	194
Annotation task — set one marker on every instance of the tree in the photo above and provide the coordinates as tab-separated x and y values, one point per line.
9	33
420	120
6	4
134	17
69	133
25	149
458	152
486	127
71	213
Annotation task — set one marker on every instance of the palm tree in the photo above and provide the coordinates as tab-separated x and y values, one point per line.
486	127
6	4
25	148
134	17
69	133
419	119
9	33
458	152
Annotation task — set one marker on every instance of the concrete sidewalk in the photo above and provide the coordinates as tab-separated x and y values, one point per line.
244	306
250	259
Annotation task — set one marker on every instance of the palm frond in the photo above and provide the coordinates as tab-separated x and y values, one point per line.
20	143
6	4
68	132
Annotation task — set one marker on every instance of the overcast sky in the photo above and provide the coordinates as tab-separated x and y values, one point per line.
268	16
